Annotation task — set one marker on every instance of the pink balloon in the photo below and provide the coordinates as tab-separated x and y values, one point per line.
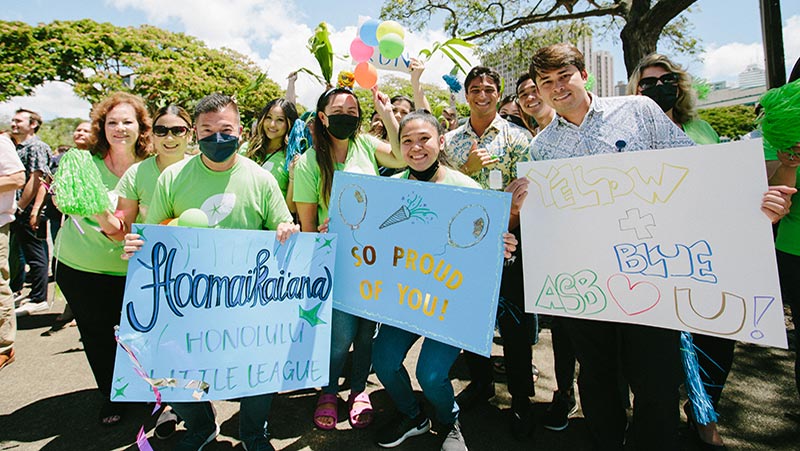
359	51
366	75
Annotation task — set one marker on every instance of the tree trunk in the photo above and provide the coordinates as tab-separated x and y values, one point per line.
643	25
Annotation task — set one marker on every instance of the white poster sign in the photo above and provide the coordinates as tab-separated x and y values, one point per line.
668	238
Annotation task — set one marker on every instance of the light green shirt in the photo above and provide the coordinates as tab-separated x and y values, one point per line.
243	197
700	132
86	248
138	183
788	239
451	177
360	159
274	163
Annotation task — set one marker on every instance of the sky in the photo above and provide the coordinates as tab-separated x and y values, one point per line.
274	34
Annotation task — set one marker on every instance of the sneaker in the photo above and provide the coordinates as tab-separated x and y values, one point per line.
195	441
556	418
18	298
473	395
454	440
165	424
260	444
521	421
401	428
31	307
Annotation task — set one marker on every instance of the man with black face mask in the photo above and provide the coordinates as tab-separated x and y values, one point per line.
235	193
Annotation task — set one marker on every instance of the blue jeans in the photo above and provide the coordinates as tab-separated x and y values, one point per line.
350	330
433	369
253	415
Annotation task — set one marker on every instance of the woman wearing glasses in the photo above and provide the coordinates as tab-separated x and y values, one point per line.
671	88
339	147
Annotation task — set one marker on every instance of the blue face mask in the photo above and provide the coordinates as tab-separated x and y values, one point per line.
219	146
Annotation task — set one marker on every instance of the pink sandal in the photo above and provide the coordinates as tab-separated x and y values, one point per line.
360	410
327	407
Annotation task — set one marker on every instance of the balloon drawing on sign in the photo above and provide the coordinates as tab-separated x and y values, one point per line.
413	208
468	227
353	205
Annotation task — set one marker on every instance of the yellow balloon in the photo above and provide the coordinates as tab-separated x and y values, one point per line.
390	26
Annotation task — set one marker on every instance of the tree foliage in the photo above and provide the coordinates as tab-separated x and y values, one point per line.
644	21
98	58
731	121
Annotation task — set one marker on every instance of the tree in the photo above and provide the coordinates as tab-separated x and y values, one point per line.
645	21
96	59
731	121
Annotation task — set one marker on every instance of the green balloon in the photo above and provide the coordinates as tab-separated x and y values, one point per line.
193	217
391	46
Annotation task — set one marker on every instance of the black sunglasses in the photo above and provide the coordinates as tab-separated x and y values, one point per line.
177	131
666	79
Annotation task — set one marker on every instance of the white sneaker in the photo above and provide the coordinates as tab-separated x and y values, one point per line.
31	307
19	298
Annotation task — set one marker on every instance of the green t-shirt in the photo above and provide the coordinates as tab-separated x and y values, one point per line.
451	177
243	197
788	239
87	249
138	183
273	163
360	159
700	132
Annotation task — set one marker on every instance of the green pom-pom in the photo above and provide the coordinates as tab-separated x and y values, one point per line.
79	187
780	120
590	81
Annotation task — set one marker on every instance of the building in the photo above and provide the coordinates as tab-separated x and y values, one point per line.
621	89
752	76
604	73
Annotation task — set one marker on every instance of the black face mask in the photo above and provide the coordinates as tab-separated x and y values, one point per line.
342	126
219	146
664	95
513	119
427	174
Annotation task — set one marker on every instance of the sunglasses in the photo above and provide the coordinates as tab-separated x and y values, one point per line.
177	131
666	79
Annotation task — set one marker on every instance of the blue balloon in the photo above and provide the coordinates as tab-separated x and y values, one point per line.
368	32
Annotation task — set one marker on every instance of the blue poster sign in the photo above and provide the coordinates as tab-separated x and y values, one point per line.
219	314
420	256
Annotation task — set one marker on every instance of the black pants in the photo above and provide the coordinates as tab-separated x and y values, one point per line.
563	356
518	329
96	301
26	247
789	271
715	356
650	361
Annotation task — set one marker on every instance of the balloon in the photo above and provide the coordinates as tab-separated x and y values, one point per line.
368	31
389	26
193	217
391	46
359	51
366	75
172	222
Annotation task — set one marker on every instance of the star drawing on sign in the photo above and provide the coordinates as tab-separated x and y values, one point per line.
312	315
120	392
640	224
327	243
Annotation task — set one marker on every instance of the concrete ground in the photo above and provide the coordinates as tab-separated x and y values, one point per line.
49	402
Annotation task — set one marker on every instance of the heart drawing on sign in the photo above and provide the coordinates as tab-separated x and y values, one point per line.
633	298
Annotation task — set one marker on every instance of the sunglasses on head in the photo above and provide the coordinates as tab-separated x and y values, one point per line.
666	79
178	130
